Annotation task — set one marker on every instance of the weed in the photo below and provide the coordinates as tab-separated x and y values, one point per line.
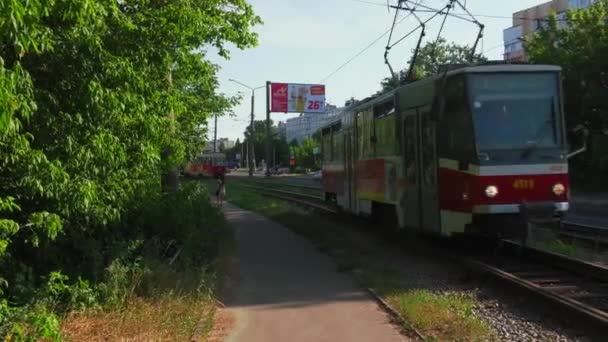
558	246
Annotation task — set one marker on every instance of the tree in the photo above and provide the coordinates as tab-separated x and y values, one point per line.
91	94
304	154
430	59
278	142
233	151
584	63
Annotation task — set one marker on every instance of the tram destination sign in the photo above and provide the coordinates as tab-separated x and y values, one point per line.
297	98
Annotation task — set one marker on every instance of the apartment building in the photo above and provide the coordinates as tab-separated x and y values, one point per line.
305	125
530	20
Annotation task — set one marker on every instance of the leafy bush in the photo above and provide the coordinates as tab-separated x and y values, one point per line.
179	240
91	93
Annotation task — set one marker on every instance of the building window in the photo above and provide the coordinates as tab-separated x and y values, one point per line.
577	4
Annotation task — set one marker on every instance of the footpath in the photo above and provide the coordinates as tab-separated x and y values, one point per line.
285	290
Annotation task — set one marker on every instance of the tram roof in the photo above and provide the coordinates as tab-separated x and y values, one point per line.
486	68
467	69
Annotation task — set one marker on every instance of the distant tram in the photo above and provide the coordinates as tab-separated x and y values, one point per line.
207	165
458	153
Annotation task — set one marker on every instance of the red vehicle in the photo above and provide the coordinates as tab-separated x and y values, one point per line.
459	153
208	165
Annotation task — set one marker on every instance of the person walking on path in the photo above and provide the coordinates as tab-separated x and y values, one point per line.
221	190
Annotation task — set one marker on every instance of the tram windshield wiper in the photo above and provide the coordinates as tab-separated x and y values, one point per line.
540	135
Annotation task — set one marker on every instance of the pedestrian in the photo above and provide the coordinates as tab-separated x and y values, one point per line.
221	190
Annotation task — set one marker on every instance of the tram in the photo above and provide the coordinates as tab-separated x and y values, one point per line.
461	152
207	165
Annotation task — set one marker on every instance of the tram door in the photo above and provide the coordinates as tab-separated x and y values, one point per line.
410	197
428	172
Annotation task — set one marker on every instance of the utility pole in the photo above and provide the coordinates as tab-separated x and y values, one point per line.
268	129
170	180
250	147
215	136
251	134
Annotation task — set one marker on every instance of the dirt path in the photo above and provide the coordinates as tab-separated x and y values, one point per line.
287	291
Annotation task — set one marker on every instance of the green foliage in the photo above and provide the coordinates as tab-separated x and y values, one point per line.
430	59
141	269
90	96
305	157
278	143
585	78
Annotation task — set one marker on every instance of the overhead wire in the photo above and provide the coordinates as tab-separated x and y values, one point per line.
491	16
362	51
450	4
428	9
388	43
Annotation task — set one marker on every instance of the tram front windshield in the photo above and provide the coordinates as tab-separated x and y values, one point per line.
514	111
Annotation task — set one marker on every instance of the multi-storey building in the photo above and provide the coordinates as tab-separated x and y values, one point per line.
305	125
222	144
282	129
530	20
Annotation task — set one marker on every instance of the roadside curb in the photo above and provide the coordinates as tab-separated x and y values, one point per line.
396	317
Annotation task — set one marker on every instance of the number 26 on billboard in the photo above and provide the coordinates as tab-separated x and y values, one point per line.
314	105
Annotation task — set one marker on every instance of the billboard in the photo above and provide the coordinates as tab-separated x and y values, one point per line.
297	98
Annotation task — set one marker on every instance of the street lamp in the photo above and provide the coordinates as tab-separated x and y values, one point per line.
249	159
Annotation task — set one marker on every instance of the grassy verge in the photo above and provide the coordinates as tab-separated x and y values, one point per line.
171	298
575	249
161	286
280	185
559	247
169	305
445	317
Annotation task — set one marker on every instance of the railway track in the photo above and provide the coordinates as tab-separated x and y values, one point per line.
579	286
576	285
275	182
310	201
595	235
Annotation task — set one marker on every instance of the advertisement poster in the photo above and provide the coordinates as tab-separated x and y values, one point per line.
297	98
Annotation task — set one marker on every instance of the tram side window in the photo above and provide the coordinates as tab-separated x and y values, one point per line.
337	146
326	146
365	131
386	142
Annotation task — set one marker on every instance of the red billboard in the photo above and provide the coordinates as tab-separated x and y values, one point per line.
297	98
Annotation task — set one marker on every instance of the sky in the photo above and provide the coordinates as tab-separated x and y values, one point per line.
306	41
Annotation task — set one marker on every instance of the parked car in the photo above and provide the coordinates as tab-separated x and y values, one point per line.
277	170
318	176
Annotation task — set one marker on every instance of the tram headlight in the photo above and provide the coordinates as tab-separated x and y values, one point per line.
491	191
559	189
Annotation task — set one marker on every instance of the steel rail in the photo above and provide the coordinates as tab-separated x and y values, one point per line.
573	304
574	283
281	183
310	201
569	282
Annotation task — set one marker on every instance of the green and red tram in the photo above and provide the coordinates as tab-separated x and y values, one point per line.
453	153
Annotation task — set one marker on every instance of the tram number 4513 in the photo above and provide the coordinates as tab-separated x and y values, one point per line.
522	184
314	105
